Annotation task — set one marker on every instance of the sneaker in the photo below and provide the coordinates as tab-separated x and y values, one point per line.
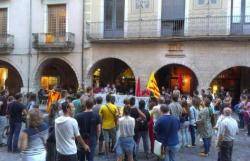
188	146
193	146
202	154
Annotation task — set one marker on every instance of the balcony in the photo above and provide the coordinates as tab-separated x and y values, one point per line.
48	42
6	43
197	28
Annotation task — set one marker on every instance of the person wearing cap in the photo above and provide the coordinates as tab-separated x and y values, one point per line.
227	130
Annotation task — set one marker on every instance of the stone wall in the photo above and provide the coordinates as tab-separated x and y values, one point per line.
206	58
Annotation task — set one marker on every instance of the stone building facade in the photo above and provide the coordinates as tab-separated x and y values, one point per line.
34	49
204	36
209	44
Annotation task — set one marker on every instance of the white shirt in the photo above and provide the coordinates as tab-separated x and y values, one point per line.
193	116
228	128
156	111
126	126
66	129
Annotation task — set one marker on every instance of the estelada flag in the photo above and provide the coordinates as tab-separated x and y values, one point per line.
152	85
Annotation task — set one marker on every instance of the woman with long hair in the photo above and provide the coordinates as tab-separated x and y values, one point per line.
184	119
204	126
193	117
33	138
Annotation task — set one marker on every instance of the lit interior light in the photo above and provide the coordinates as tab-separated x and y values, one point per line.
215	88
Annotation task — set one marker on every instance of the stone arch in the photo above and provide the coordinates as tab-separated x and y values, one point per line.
13	81
57	67
112	71
233	78
169	76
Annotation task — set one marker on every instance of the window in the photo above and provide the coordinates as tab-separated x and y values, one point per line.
57	19
213	1
201	2
3	21
113	17
236	11
247	11
141	4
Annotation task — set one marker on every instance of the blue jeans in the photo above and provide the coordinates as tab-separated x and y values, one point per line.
207	144
144	136
241	118
125	145
82	155
15	128
192	133
171	152
2	126
185	135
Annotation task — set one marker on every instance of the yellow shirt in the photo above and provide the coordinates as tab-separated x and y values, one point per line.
108	119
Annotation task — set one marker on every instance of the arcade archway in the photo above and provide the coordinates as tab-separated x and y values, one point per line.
56	72
173	75
113	71
10	78
234	80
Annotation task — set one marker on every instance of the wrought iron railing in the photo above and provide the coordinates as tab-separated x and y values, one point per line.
50	41
164	28
6	42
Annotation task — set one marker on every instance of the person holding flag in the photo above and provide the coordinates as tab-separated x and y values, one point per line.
152	86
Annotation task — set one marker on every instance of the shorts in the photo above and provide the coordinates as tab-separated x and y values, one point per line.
125	145
109	134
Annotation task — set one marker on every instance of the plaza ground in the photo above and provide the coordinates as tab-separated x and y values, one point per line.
240	153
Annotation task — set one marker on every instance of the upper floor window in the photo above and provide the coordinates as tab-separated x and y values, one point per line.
203	2
57	19
247	8
3	21
213	1
240	11
142	4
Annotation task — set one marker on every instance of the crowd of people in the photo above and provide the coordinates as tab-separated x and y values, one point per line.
74	125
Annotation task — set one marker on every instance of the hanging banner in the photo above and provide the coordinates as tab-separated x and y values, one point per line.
120	98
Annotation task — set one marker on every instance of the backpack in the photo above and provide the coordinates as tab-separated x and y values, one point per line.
142	124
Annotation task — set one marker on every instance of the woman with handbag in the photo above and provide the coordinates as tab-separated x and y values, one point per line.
33	138
204	127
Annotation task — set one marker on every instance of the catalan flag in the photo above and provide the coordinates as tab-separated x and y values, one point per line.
152	85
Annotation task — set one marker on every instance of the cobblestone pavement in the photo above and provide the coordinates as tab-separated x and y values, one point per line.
241	152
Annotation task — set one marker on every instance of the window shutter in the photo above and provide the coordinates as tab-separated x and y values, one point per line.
3	21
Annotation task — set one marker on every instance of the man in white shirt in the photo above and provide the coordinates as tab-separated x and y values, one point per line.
66	131
227	130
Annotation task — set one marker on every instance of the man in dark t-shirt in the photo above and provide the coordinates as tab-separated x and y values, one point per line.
15	110
137	114
90	127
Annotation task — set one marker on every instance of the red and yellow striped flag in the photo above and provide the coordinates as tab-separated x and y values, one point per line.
152	85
